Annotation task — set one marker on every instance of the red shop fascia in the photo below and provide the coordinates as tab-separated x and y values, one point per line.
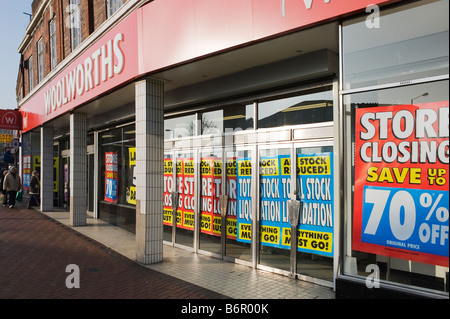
142	44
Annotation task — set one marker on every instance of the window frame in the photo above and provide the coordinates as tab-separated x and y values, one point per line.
40	59
351	264
30	73
112	6
53	43
75	23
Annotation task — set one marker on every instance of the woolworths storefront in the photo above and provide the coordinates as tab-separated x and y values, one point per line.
307	138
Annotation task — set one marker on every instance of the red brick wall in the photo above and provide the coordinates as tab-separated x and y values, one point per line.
93	13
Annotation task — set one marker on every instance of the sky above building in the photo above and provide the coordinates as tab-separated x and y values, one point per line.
13	23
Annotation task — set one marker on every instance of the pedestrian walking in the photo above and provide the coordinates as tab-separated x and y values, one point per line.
12	185
35	186
2	179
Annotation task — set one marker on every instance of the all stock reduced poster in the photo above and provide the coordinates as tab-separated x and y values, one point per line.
401	205
316	188
131	189
315	183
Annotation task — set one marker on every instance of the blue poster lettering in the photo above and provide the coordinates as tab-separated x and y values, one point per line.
412	219
315	191
111	189
275	180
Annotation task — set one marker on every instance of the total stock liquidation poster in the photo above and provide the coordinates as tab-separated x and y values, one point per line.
314	178
401	205
315	182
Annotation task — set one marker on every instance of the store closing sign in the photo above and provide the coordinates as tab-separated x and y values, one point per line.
401	182
211	189
186	200
169	187
111	176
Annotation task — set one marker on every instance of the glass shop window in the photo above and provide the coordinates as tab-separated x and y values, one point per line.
410	42
233	117
117	166
179	127
397	158
313	107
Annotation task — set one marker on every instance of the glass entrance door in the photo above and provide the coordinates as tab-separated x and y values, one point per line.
169	198
250	159
240	191
211	188
274	192
315	232
66	182
185	188
302	172
90	186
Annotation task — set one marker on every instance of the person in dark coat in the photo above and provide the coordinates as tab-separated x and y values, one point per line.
2	178
34	189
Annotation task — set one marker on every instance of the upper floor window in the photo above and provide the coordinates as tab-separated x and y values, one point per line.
30	73
315	106
377	55
113	6
53	54
40	61
75	23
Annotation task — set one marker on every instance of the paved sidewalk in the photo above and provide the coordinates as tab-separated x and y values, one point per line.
35	249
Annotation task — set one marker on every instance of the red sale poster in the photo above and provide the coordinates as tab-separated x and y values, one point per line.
217	180
168	189
401	206
231	173
185	176
111	176
207	195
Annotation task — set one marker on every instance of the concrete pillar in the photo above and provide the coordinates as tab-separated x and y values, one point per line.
46	171
149	170
78	169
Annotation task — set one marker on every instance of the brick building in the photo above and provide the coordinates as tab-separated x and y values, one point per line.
306	138
51	37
